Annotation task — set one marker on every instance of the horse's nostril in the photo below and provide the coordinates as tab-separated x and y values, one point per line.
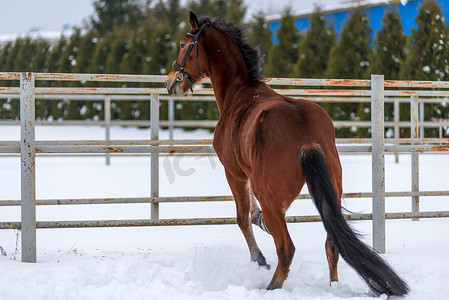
171	86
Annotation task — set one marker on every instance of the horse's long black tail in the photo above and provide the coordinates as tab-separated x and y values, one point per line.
368	264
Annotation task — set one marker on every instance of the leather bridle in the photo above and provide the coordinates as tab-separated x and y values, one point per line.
180	68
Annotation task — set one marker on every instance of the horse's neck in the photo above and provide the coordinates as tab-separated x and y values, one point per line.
229	76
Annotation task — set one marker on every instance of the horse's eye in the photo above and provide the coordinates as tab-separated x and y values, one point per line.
183	45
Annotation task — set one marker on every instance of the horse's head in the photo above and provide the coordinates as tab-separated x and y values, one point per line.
190	66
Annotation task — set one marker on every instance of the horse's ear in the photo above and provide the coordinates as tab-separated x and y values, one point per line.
193	21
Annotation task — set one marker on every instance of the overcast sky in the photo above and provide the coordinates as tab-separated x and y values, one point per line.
20	16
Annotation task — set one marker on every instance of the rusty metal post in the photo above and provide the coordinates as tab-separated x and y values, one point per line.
396	128
414	111
154	156
28	167
378	161
107	123
421	119
171	117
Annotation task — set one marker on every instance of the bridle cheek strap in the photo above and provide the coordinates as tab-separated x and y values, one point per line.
180	68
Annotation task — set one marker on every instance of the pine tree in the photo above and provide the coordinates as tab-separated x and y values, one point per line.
3	60
22	63
25	55
166	13
85	52
259	34
68	62
111	13
160	55
349	58
13	64
219	8
4	103
132	59
211	8
389	51
136	61
100	56
54	61
283	56
160	52
174	13
315	48
118	48
4	55
428	57
39	64
235	11
98	66
388	47
12	55
9	67
84	57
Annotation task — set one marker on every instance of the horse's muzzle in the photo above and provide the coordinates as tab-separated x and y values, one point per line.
170	85
174	86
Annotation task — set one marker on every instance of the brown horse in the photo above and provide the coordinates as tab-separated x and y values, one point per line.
270	146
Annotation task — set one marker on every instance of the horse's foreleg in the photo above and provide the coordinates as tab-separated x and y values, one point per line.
240	191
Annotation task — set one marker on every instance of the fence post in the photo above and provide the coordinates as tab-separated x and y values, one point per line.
171	116
397	133
421	119
107	123
155	156
414	111
28	167
378	161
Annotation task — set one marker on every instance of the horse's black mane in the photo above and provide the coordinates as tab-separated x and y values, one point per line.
251	56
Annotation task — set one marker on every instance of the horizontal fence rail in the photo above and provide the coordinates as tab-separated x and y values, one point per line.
205	198
209	91
204	149
376	91
209	221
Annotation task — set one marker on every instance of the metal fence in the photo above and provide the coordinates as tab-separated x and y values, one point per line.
374	91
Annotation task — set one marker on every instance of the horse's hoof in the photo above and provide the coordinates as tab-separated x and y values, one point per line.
265	265
333	279
260	259
274	286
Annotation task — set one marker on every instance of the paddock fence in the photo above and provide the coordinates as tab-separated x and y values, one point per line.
376	91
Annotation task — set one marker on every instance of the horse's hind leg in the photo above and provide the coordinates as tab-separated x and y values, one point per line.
331	251
275	221
256	214
240	191
332	259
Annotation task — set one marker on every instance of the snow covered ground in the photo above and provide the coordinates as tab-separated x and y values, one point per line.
200	262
